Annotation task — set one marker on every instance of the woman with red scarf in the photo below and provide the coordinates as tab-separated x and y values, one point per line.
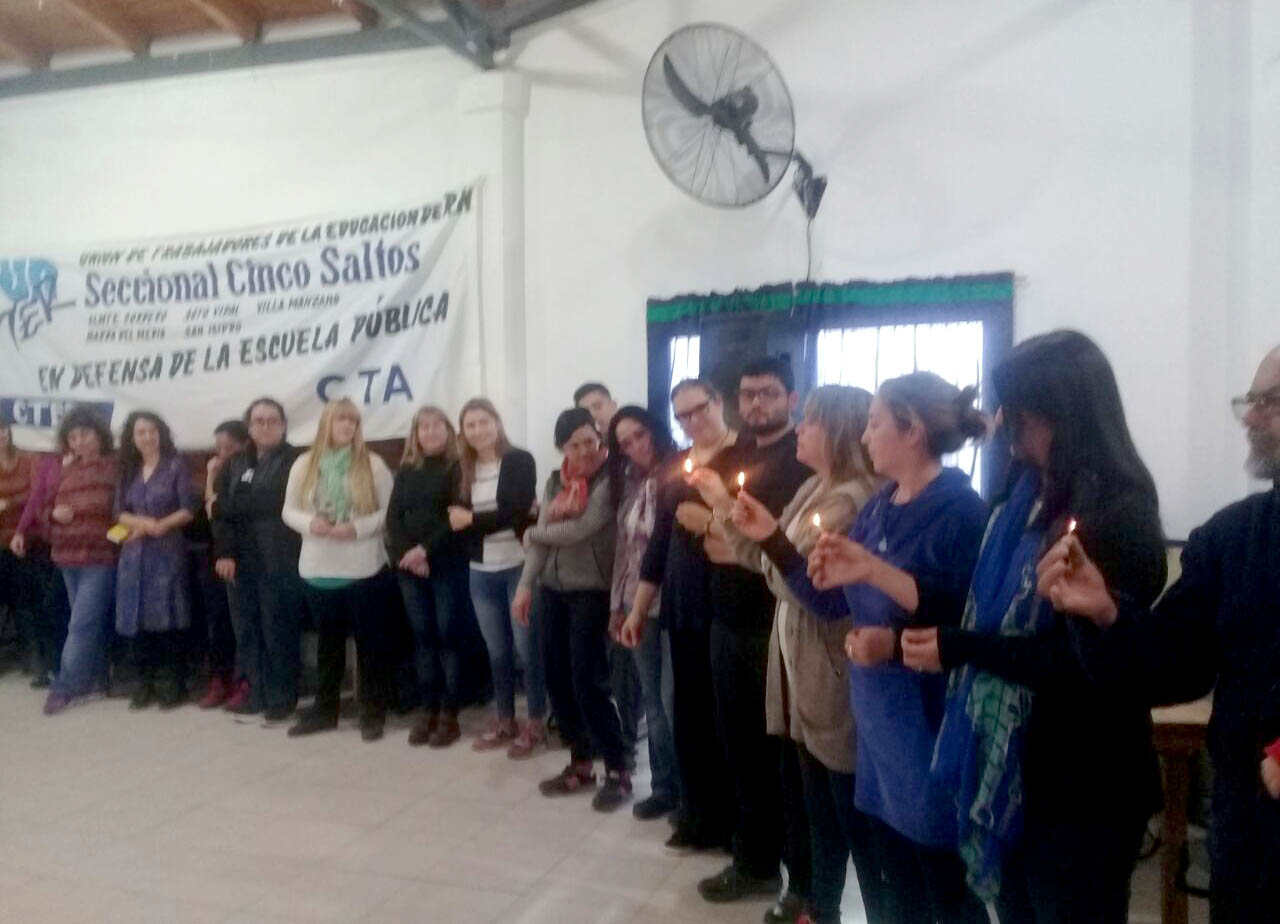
571	552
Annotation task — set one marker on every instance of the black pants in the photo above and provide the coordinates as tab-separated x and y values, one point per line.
268	626
359	609
1244	841
922	885
707	809
35	590
797	851
1071	871
739	661
213	608
838	831
575	638
161	658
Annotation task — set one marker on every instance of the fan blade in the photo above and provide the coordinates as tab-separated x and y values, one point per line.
748	142
681	91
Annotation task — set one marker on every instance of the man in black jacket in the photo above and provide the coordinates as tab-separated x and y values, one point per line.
1217	628
257	554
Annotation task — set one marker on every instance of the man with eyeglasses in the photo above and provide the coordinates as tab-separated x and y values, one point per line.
1217	628
741	621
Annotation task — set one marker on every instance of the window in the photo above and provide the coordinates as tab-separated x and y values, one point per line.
866	356
684	365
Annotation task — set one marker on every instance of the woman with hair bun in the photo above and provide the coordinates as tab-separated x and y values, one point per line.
907	561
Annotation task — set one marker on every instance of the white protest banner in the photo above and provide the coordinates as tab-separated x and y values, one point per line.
381	307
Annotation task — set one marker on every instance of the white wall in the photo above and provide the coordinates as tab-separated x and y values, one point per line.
1113	154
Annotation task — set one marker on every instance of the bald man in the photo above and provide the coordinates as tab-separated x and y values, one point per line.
1218	628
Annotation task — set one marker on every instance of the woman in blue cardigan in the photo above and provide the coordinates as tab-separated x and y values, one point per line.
907	562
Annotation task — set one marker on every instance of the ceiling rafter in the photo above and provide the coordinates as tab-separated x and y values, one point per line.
111	24
363	13
233	16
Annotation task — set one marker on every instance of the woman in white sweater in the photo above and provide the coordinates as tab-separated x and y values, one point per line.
337	499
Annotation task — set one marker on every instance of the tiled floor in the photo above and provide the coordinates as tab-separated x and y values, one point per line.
194	818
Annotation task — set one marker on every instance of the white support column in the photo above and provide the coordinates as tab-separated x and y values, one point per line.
494	105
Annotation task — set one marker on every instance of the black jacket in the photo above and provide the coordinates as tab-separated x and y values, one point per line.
418	512
1088	757
247	525
517	492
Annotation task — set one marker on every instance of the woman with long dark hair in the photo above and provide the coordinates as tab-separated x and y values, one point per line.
153	594
907	561
1052	765
640	451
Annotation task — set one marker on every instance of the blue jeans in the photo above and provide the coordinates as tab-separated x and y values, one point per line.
653	664
492	593
91	590
437	610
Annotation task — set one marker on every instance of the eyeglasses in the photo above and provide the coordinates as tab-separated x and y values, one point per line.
1266	402
696	411
749	395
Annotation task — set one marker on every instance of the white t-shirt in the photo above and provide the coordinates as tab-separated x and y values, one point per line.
502	550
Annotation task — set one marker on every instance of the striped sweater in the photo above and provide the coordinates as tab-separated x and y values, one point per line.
89	489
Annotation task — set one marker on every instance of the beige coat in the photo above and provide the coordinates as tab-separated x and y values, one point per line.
814	709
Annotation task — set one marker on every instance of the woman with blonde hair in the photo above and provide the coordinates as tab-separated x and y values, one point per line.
431	567
337	499
499	486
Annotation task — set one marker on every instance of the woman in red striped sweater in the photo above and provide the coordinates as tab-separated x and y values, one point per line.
81	514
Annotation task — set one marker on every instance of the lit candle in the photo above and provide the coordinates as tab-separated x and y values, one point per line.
817	520
742	480
688	466
1071	526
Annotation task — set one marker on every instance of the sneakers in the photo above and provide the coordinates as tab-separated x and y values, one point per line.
532	736
573	778
274	715
143	697
424	729
371	728
240	700
731	884
310	722
789	909
498	735
55	703
653	807
615	792
217	694
446	733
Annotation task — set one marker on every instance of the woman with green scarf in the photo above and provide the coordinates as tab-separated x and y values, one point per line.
337	500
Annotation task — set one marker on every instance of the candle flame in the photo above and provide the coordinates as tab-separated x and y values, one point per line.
817	520
688	466
742	478
1071	526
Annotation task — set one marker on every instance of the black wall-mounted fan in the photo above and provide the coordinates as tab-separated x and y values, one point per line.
719	119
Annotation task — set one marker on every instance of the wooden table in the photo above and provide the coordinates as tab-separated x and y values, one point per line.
1179	737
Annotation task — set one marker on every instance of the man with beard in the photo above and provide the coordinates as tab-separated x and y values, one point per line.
741	621
1217	628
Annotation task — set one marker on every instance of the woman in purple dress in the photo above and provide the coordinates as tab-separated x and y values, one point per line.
153	597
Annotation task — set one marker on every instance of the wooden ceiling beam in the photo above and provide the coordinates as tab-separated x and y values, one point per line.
364	14
17	46
110	24
233	16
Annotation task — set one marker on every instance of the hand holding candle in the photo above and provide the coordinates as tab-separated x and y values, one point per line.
1069	579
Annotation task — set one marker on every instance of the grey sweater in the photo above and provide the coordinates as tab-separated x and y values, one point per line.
573	554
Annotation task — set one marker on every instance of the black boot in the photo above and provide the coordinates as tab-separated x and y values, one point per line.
314	720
